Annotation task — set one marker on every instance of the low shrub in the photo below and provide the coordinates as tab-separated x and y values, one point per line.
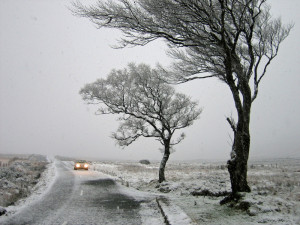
144	161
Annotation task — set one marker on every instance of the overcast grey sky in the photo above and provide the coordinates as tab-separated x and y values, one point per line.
47	55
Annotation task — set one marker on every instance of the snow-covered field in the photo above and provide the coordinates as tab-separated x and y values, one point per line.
197	189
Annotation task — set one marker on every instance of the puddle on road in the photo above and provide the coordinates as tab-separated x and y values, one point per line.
101	182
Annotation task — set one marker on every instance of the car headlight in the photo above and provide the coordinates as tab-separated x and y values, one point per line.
86	165
77	165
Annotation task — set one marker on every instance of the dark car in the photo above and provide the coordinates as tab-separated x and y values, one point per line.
81	164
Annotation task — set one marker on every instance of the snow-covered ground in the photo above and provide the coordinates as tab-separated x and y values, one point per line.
197	189
18	176
24	180
193	191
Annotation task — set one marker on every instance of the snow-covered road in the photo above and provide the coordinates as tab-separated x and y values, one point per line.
87	197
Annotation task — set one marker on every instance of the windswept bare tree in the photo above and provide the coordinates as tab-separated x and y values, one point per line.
148	107
233	40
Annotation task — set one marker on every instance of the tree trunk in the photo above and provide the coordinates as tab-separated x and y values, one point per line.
164	162
237	165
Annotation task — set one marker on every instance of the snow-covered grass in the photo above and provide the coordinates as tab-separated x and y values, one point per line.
18	177
24	179
197	189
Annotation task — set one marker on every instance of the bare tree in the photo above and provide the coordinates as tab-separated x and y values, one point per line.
233	40
148	107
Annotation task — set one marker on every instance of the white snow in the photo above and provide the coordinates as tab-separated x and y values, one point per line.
175	215
150	215
275	196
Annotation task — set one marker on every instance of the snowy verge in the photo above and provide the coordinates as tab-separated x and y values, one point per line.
44	183
173	213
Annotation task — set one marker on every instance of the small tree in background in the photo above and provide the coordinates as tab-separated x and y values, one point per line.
232	40
148	107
